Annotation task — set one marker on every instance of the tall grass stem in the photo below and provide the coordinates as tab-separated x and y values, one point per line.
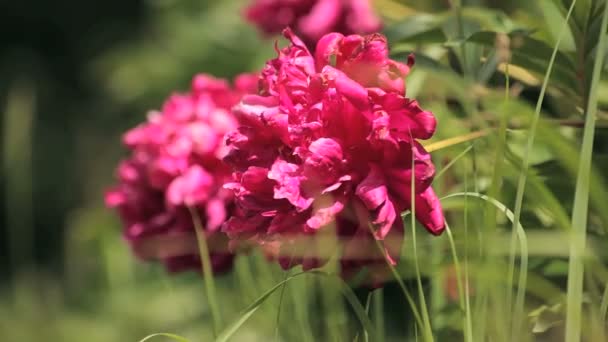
581	197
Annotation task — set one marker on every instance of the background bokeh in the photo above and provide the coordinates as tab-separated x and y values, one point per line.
74	75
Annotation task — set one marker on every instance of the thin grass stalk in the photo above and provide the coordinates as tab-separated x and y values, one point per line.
596	331
481	299
397	277
458	276
368	303
521	185
467	324
521	235
378	314
428	331
437	295
263	270
452	162
207	271
496	180
604	305
253	307
467	300
332	305
300	297
172	337
278	317
581	198
247	284
468	315
231	329
457	5
501	143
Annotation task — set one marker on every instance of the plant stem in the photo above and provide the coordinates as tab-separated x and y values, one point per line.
207	271
521	185
581	198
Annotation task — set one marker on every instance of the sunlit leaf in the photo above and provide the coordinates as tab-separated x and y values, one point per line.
415	28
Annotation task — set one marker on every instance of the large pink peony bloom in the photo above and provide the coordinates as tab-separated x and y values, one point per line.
327	146
311	19
176	164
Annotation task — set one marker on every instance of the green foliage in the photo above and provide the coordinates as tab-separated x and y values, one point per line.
522	112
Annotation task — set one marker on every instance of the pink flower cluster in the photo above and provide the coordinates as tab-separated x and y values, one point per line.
175	166
329	148
311	19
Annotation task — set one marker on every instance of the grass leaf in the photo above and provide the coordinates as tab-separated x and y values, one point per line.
581	199
167	335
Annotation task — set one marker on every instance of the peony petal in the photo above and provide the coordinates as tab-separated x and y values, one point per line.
216	214
327	47
360	17
288	181
372	190
352	90
323	16
384	219
114	198
429	212
190	189
324	215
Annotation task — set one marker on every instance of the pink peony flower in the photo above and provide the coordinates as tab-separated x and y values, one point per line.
176	164
326	150
312	19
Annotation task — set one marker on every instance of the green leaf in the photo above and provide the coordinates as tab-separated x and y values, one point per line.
554	16
167	335
525	45
582	12
489	19
253	307
566	154
520	233
415	28
581	198
532	54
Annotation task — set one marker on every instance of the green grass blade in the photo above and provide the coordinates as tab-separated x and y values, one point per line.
453	161
404	290
464	306
359	310
207	270
604	304
348	293
461	299
428	331
278	319
378	311
300	298
251	309
167	335
467	298
581	199
368	303
521	185
244	276
523	245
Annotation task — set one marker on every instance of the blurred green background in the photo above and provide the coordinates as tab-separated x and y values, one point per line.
75	75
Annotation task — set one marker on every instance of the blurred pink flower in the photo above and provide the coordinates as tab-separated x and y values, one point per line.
311	19
175	162
328	145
